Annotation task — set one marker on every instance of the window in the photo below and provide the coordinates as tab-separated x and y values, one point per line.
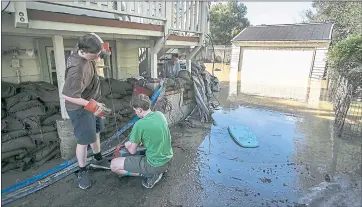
51	63
101	70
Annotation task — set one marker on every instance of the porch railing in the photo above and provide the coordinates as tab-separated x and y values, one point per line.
181	16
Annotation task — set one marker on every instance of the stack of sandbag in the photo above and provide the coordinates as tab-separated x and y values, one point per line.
184	80
204	84
29	112
117	95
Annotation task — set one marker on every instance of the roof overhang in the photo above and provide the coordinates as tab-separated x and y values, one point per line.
321	43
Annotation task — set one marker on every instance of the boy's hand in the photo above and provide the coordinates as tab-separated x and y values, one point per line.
98	109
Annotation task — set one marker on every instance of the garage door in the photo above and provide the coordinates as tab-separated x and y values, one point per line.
276	73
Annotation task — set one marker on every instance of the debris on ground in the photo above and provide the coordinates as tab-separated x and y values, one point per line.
265	180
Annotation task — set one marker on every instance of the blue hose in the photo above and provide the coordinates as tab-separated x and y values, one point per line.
74	159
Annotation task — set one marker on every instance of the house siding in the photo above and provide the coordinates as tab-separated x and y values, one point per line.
127	60
29	66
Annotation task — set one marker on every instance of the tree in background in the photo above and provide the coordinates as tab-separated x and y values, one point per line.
345	55
346	15
226	21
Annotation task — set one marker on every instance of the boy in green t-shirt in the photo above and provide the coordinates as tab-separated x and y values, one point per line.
153	132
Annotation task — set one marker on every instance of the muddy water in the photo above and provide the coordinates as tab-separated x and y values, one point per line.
250	175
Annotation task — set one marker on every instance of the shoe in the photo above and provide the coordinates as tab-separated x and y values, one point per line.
83	180
149	182
100	164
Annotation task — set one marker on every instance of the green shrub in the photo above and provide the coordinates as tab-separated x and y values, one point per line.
346	57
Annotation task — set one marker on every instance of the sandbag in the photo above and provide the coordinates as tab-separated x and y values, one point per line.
42	85
189	86
169	83
23	96
3	125
49	111
6	155
3	104
9	166
117	105
184	74
53	103
13	134
24	105
125	111
119	86
33	111
3	113
28	86
128	99
48	157
11	123
180	83
8	89
41	153
32	122
18	143
105	89
42	129
52	120
115	96
45	137
48	96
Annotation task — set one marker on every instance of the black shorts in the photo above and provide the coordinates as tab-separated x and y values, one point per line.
86	125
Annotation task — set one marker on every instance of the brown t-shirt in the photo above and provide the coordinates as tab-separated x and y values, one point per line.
81	80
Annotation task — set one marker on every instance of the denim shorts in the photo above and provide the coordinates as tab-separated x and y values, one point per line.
86	125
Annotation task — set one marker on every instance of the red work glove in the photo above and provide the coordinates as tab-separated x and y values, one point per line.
98	109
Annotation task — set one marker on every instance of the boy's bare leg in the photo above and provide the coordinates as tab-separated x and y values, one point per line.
117	166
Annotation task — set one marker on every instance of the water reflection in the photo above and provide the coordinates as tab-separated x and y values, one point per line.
294	154
311	92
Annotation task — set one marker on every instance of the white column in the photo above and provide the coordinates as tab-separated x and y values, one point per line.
60	68
188	60
153	62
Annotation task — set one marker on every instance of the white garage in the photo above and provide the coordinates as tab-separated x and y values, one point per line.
280	60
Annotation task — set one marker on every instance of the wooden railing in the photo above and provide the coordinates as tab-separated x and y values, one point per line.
181	16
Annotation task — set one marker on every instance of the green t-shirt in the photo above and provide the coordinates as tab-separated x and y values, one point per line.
152	130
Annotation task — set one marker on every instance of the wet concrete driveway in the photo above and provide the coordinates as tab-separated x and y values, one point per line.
209	169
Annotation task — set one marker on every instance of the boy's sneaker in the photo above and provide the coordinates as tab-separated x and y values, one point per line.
100	164
83	180
149	182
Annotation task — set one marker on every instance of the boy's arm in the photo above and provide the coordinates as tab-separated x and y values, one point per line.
134	140
131	147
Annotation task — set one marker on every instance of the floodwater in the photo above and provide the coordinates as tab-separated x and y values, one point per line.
297	149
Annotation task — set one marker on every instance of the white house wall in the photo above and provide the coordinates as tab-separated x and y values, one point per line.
127	59
282	73
29	66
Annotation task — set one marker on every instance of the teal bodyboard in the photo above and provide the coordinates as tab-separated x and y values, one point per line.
243	136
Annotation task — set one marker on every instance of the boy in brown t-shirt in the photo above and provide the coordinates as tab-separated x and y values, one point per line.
81	92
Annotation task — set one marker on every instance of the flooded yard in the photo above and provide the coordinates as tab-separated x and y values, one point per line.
298	150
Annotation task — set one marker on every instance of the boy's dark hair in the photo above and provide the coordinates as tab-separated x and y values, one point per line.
141	101
175	55
90	44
